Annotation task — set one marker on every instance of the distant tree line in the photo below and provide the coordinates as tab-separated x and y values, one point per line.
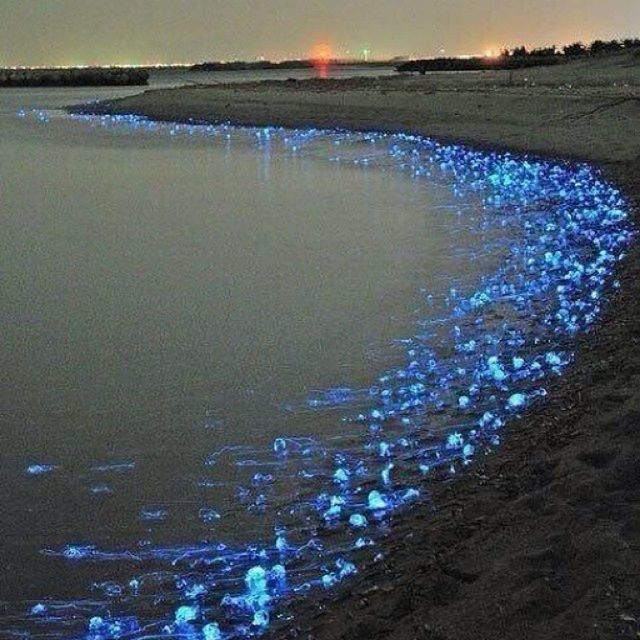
89	77
252	66
477	63
260	65
576	49
520	57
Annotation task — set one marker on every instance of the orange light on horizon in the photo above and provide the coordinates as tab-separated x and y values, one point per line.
322	52
493	52
321	56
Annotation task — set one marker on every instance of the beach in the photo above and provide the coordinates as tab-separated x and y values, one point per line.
585	109
541	538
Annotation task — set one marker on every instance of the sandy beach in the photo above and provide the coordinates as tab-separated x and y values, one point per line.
540	539
586	109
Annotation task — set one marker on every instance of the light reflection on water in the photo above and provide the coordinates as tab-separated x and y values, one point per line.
315	499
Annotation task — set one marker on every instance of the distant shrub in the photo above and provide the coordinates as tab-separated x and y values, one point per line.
543	52
575	49
600	46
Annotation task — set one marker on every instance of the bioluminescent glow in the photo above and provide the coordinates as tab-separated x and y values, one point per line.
481	357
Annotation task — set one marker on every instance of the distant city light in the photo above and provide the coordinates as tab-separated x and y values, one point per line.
322	55
492	52
322	52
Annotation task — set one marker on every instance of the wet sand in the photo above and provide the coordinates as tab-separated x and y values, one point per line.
542	538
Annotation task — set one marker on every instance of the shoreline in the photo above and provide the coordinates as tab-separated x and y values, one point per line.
550	111
540	539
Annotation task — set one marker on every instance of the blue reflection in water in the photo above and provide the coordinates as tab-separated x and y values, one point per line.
481	359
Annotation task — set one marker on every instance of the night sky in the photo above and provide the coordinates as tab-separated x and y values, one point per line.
74	32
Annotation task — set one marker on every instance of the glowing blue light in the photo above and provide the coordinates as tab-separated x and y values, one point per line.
261	619
361	543
211	631
517	401
95	624
101	489
553	359
186	614
329	581
341	476
386	474
482	355
77	552
377	502
281	542
358	521
40	469
335	508
114	466
410	494
195	591
455	441
209	515
153	514
280	446
345	568
256	580
278	575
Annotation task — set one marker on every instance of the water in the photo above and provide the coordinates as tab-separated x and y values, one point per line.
166	297
176	299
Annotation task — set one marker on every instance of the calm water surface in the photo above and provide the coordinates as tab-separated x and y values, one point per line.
163	298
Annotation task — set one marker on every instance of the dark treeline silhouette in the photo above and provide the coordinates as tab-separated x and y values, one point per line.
98	76
241	65
598	47
577	49
520	57
476	64
252	66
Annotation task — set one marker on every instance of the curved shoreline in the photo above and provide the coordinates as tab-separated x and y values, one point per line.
541	538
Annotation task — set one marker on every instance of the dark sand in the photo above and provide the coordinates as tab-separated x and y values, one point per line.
542	538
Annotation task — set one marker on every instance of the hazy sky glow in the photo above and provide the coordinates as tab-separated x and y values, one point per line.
66	32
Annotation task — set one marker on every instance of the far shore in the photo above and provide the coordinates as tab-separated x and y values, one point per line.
540	539
74	77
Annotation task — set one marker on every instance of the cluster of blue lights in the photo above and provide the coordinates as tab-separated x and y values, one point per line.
481	358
